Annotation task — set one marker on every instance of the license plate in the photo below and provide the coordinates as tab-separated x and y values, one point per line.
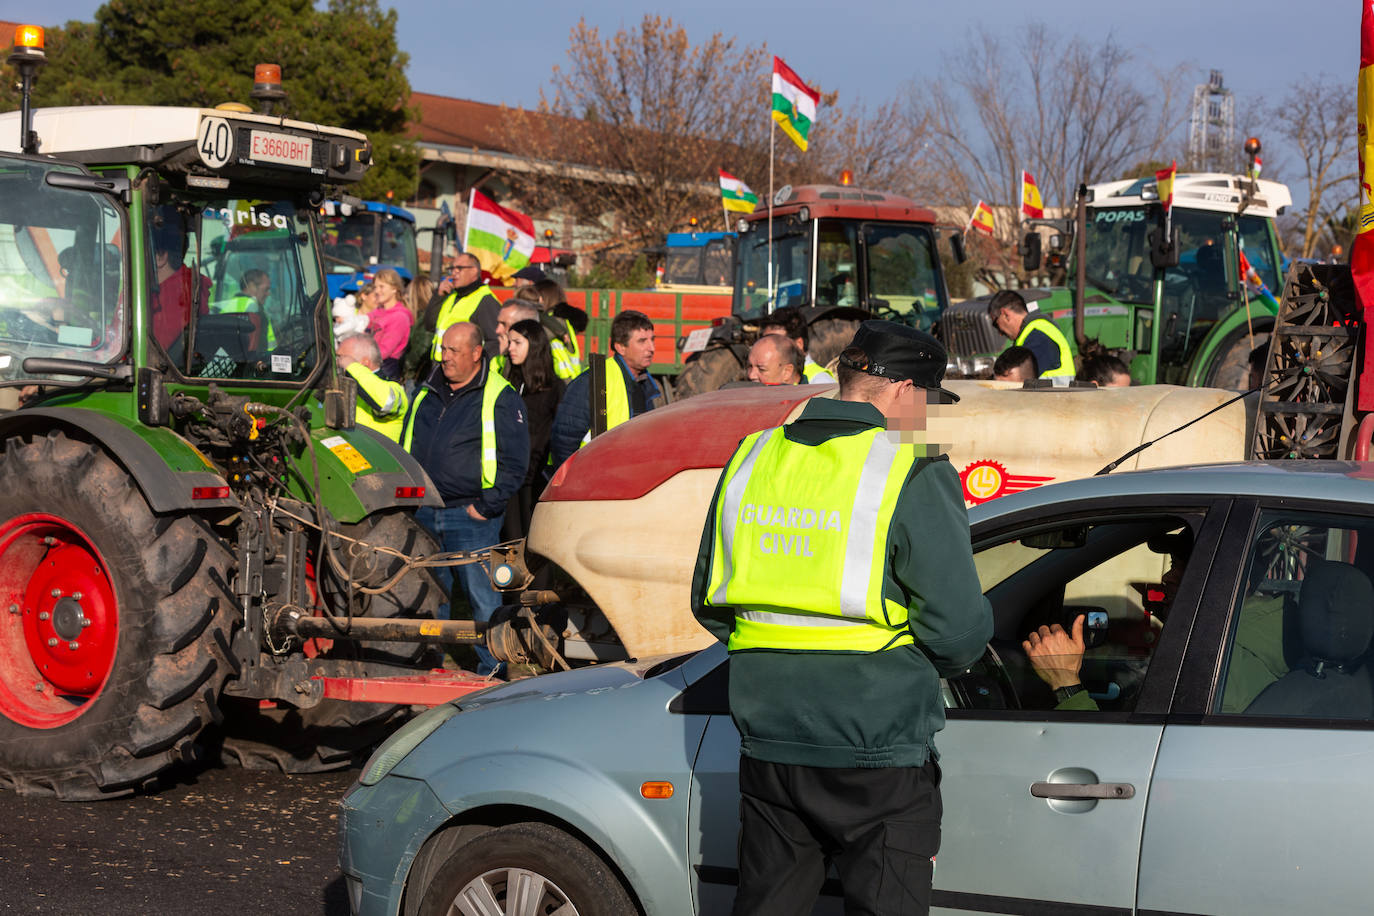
283	149
697	340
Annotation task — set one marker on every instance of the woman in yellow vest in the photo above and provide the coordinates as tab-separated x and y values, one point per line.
835	564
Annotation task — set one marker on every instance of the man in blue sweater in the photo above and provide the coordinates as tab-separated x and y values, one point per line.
467	429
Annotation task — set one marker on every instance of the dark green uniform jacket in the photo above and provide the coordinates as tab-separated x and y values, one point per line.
874	709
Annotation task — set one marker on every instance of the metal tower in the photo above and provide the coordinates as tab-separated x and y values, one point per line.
1212	128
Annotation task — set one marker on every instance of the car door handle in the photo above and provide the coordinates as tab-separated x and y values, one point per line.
1073	791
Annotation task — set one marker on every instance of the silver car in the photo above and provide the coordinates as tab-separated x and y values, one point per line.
1222	766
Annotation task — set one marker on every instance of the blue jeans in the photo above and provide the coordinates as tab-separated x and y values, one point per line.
456	530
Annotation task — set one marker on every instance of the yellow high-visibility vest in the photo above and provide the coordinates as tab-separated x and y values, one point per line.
491	390
1047	327
389	416
453	311
800	543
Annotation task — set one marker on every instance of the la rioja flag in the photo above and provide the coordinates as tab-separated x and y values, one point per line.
500	238
794	103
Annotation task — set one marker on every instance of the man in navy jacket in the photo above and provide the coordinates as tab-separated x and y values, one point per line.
467	429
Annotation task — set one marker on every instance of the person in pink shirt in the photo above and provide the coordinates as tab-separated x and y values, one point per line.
390	321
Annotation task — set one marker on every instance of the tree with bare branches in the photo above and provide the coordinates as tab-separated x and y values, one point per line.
1068	110
629	136
1319	126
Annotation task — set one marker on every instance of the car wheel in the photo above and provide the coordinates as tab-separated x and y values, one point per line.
525	868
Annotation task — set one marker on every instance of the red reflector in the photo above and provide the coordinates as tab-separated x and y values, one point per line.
1154	594
717	321
209	492
410	492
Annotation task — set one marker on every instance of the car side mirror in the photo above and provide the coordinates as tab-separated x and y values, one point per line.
956	247
1164	251
1030	251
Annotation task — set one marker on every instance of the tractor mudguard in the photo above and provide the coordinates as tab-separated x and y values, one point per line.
360	473
377	491
168	470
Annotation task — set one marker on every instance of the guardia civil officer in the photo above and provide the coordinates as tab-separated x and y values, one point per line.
836	566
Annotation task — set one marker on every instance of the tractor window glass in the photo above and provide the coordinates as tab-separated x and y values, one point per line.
1118	253
349	242
62	274
1196	293
791	266
1119	576
1301	633
256	259
837	282
715	264
902	281
1256	241
398	245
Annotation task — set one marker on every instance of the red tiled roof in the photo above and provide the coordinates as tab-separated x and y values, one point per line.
458	122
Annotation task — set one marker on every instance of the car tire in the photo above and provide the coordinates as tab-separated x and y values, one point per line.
475	880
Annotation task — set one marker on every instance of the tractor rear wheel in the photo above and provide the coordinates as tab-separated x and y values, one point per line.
114	625
708	372
336	734
828	337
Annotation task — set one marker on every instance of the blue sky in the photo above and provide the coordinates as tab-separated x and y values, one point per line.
863	48
866	49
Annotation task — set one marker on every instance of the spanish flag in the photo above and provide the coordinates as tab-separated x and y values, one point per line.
1362	252
981	219
1164	181
1032	207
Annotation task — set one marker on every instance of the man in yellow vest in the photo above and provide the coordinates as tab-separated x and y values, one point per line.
835	564
775	360
513	312
611	390
254	288
467	429
464	297
1035	332
381	403
788	322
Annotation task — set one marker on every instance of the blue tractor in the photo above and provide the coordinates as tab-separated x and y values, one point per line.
362	237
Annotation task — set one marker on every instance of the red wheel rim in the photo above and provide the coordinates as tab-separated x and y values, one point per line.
59	621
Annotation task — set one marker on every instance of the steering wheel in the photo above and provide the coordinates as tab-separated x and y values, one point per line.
985	684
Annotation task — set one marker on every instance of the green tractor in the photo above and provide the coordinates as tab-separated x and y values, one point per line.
1177	309
193	534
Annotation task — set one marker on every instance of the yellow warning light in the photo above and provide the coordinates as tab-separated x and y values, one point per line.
846	178
29	36
656	790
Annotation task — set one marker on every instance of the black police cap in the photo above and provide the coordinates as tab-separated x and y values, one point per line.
897	352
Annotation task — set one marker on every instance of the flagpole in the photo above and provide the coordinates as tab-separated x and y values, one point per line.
725	214
772	136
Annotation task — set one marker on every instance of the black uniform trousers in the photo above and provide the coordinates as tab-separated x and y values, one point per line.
880	827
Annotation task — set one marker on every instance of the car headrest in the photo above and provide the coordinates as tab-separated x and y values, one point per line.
1336	612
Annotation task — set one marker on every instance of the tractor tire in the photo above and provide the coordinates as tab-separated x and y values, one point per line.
336	734
116	641
708	372
1231	368
828	337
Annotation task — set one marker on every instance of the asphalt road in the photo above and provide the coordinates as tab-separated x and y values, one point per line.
215	841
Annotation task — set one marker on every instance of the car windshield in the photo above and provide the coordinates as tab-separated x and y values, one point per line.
62	276
791	267
1118	253
241	279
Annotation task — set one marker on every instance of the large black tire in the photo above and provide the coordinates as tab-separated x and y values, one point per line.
1231	368
828	337
116	641
336	734
708	372
570	879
